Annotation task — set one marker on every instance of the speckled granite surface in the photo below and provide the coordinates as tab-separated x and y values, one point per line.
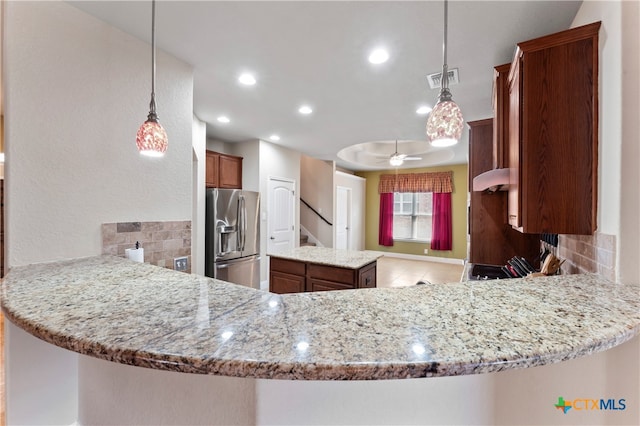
148	316
329	256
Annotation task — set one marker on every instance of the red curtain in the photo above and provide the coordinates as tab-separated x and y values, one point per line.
441	238
385	231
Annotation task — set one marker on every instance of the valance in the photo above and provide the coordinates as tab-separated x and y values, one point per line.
416	182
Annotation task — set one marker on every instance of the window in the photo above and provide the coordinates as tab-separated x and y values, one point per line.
412	216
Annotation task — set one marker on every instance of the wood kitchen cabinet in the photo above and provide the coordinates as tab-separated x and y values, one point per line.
500	100
553	133
492	240
223	170
292	276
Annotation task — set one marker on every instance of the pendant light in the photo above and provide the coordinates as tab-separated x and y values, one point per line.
151	137
444	125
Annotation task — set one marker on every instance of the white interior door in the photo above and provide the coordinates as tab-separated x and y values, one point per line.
281	215
343	218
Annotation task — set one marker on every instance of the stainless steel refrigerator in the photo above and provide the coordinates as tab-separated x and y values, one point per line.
232	236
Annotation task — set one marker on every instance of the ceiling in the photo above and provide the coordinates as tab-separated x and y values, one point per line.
315	53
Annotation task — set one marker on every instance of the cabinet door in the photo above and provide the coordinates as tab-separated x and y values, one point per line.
323	285
514	197
559	132
333	273
501	116
212	166
367	276
230	172
280	282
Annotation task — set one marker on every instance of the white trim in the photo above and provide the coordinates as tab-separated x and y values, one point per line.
281	179
420	257
312	238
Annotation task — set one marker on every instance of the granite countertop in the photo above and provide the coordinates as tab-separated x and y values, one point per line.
143	315
350	259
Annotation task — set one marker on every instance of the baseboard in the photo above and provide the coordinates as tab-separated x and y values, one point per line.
420	257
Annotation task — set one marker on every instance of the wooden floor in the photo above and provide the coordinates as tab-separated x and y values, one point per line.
396	272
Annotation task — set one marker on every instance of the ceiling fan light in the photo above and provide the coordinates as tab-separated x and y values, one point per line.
396	160
444	125
151	139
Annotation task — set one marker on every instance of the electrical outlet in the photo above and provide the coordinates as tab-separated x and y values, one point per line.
180	263
426	251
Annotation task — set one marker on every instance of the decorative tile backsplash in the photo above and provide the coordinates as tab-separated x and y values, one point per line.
589	253
162	241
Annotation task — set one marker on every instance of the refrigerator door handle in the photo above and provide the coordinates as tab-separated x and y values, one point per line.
239	222
242	222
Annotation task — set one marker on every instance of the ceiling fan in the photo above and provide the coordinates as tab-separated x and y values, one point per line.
398	159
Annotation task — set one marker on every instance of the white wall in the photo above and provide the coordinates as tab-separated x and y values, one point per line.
318	189
275	161
358	187
199	143
250	153
76	92
462	400
629	236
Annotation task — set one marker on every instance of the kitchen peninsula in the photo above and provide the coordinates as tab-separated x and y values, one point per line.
140	315
143	315
312	268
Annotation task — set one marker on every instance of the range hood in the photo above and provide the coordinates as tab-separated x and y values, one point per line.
492	181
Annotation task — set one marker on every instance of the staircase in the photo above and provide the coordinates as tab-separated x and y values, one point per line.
304	241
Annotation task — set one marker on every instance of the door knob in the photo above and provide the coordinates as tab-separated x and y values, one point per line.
272	238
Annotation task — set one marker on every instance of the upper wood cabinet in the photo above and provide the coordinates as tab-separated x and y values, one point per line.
501	116
223	171
553	133
491	239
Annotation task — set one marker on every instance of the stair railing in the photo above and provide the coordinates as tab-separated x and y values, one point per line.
317	214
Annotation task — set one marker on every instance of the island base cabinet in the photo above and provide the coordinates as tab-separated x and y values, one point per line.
280	282
324	285
367	276
290	276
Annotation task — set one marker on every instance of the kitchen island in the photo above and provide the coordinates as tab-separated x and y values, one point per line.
312	268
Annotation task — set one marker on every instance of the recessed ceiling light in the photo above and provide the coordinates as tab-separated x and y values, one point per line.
378	56
274	137
223	119
423	110
305	110
247	79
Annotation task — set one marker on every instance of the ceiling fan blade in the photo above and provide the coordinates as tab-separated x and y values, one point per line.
412	158
377	155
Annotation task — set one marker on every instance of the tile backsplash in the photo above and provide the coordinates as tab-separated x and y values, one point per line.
162	241
589	254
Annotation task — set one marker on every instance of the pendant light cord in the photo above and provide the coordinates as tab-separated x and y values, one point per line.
445	73
445	94
152	105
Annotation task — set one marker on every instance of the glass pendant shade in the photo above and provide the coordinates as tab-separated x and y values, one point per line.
444	125
151	139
